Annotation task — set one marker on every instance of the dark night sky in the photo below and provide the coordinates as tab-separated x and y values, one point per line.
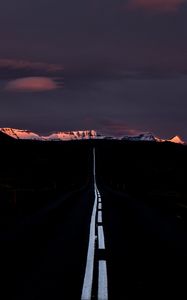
116	66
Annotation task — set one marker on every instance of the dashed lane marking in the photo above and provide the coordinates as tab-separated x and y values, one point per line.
101	239
102	281
100	205
99	217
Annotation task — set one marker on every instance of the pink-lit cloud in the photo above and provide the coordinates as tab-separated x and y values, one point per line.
26	64
156	5
109	127
117	128
31	84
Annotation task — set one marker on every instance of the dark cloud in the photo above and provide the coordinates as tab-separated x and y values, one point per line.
116	128
12	69
13	64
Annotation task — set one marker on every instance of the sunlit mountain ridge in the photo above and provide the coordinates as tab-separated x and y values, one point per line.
176	139
54	136
21	134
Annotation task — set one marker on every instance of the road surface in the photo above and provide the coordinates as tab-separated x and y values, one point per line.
95	244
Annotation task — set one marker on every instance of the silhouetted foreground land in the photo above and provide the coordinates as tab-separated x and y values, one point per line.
155	172
32	173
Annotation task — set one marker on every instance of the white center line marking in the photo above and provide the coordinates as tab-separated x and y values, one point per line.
88	277
102	271
99	217
99	206
102	282
101	239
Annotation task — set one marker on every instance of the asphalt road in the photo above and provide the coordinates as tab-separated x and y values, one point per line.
51	261
146	250
95	244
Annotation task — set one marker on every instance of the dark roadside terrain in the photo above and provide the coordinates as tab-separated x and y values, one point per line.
46	202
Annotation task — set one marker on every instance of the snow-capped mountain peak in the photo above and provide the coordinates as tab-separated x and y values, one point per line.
176	139
82	135
72	135
20	134
147	136
56	136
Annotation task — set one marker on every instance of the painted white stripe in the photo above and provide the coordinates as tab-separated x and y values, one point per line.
99	217
94	168
99	200
100	206
88	277
101	240
102	282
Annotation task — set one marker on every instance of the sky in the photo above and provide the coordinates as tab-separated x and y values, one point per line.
119	67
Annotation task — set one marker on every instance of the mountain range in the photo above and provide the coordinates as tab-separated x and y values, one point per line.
21	134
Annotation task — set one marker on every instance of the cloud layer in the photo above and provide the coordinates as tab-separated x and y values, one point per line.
156	5
116	128
31	84
26	64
